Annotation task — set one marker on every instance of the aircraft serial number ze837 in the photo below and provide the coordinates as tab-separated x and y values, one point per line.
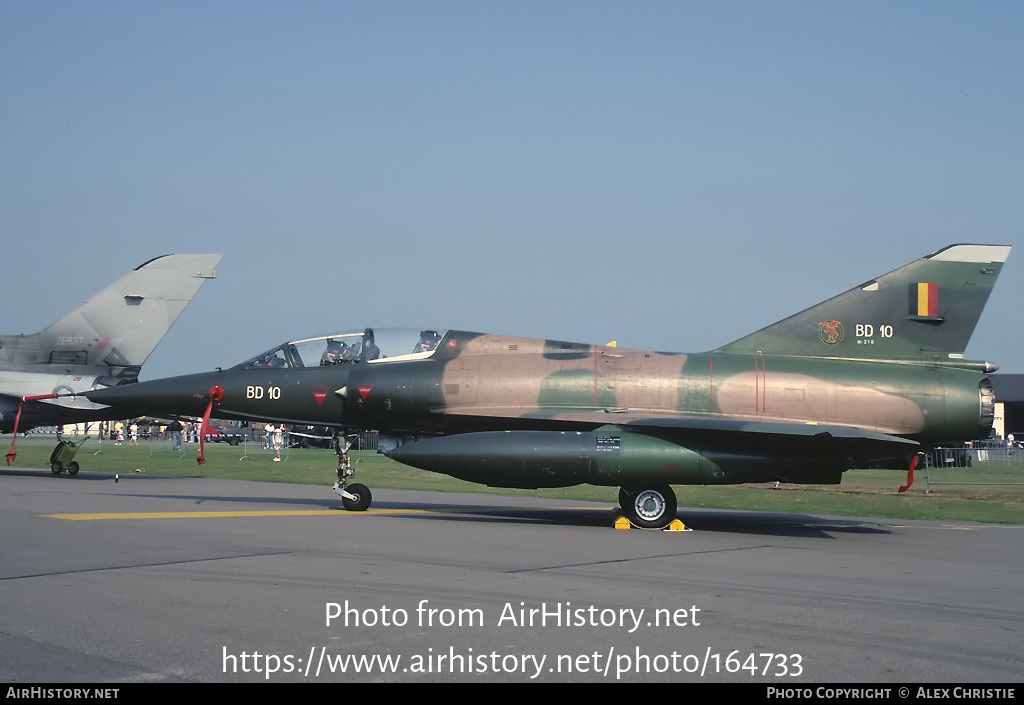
801	400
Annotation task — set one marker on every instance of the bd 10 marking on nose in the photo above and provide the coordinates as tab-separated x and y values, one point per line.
253	392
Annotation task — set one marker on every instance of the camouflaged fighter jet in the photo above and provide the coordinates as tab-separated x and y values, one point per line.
869	377
102	343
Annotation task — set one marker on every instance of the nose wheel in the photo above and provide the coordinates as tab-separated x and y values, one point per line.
358	497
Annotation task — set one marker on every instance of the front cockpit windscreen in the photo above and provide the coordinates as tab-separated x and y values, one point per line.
369	345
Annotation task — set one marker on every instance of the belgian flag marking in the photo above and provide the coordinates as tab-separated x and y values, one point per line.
924	300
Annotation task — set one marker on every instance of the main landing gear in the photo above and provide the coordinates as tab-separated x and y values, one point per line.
652	507
354	497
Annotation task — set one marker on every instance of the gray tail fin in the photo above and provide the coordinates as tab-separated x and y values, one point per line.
925	310
120	326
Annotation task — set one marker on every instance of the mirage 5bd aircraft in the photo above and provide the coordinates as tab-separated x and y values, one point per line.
867	378
100	344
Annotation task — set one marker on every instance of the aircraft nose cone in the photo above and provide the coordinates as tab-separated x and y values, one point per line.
186	395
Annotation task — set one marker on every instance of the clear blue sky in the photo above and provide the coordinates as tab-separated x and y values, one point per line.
672	175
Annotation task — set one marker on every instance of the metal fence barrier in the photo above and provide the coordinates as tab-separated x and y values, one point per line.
987	462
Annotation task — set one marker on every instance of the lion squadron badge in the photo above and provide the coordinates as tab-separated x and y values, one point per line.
830	332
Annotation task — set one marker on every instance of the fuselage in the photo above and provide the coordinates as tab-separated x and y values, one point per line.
489	382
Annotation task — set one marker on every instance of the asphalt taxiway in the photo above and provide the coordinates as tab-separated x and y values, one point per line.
174	579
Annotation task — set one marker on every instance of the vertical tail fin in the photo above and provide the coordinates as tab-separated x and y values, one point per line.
925	310
118	327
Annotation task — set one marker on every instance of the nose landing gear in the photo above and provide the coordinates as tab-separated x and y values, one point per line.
354	497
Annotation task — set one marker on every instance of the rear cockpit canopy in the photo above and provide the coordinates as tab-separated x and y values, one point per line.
370	345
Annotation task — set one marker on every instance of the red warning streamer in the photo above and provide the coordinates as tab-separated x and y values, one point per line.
216	394
910	475
11	454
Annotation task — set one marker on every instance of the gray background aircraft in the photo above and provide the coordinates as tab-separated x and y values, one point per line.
102	343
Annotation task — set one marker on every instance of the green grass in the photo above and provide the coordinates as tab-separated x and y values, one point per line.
863	493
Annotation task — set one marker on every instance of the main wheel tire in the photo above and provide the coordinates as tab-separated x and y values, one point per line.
56	468
648	507
73	467
362	498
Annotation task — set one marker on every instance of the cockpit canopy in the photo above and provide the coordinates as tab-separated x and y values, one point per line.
370	345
